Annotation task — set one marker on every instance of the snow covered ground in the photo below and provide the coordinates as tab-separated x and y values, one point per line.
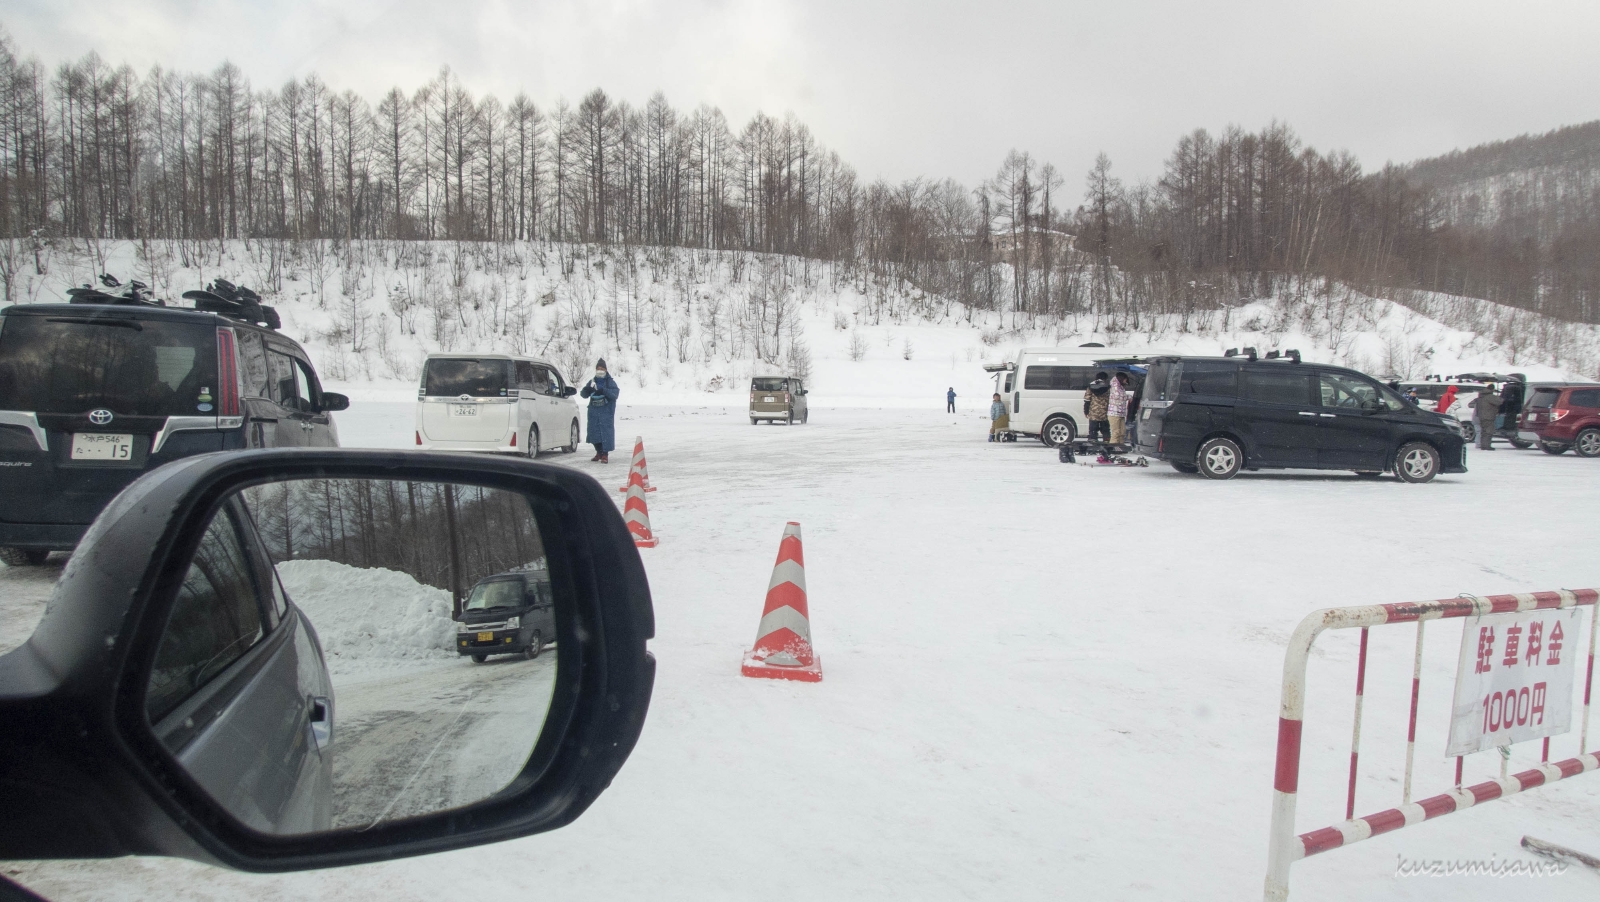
1042	681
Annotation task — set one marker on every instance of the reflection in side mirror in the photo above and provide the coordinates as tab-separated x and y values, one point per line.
349	652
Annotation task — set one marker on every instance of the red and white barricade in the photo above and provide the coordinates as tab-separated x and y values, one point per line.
1519	659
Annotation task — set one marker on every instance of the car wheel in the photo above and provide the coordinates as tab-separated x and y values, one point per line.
23	557
1182	467
790	420
479	659
535	645
533	442
1059	431
1519	444
1469	430
1552	449
572	439
1416	462
1588	443
1220	458
805	417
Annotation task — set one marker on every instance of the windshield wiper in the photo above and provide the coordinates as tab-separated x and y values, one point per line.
119	323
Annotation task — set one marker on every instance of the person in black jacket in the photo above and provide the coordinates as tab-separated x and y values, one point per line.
1096	404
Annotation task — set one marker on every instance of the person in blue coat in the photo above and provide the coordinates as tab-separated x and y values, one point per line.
602	393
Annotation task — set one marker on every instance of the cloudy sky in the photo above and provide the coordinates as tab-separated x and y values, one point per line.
921	87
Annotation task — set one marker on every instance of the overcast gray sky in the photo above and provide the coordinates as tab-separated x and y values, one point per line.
921	87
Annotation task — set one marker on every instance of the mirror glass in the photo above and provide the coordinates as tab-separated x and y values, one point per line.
347	652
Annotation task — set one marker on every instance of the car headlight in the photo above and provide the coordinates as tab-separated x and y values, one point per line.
462	628
513	622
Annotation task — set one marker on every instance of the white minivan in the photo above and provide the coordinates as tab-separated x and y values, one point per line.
1043	387
495	402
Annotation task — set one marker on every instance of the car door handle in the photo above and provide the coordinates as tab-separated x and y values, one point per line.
321	721
1329	415
1307	413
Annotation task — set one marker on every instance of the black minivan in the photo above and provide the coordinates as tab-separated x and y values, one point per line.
92	395
505	614
1220	415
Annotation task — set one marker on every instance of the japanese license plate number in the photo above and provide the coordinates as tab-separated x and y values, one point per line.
102	446
486	637
463	410
769	400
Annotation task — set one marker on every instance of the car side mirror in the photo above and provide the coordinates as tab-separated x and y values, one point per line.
224	659
333	401
568	391
804	391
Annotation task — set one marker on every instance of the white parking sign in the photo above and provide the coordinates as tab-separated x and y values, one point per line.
1514	678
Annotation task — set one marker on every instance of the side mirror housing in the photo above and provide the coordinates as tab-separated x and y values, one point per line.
87	775
332	401
569	391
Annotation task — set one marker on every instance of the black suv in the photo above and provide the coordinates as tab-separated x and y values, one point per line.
93	394
1220	415
508	613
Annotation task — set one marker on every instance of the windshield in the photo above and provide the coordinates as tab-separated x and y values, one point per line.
455	376
76	363
769	384
503	593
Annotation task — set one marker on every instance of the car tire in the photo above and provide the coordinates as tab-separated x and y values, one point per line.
479	659
1588	443
754	421
1220	458
535	645
1552	449
23	557
1058	431
533	443
805	417
1469	430
572	439
1520	444
1182	467
1416	462
790	420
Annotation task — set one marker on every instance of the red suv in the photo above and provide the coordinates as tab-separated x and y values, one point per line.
1559	417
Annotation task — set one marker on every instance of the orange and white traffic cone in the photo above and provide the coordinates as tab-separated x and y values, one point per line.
637	468
636	514
783	641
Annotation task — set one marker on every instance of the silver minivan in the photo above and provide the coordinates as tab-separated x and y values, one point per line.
495	402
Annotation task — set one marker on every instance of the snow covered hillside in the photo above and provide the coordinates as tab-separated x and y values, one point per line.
685	326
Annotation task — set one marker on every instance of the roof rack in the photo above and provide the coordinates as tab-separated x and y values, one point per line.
1290	354
135	292
235	302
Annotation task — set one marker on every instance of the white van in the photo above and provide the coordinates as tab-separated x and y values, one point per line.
1043	387
495	402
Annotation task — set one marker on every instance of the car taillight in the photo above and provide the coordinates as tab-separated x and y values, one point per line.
227	375
1557	414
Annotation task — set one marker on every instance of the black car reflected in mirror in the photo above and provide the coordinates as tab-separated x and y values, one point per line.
317	666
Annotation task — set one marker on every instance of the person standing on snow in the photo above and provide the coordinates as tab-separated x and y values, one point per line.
1117	408
602	393
1096	400
1445	400
999	420
1486	406
950	400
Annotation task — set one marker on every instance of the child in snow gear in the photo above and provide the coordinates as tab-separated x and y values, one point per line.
999	420
602	393
1096	402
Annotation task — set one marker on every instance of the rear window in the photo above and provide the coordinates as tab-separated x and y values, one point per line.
769	384
73	364
1157	378
1544	397
1058	378
1584	397
1202	377
455	376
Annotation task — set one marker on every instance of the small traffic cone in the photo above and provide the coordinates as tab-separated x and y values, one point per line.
636	514
783	641
637	468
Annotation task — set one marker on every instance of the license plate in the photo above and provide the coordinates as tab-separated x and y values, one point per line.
486	637
769	400
463	410
102	446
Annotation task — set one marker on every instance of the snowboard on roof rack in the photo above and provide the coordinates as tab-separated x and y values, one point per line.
235	302
135	292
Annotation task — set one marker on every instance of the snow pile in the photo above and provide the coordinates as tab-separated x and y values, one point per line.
371	619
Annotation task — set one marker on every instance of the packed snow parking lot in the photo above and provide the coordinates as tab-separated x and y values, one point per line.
1041	679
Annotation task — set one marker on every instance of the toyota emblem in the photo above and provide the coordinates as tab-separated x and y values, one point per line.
464	398
100	417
